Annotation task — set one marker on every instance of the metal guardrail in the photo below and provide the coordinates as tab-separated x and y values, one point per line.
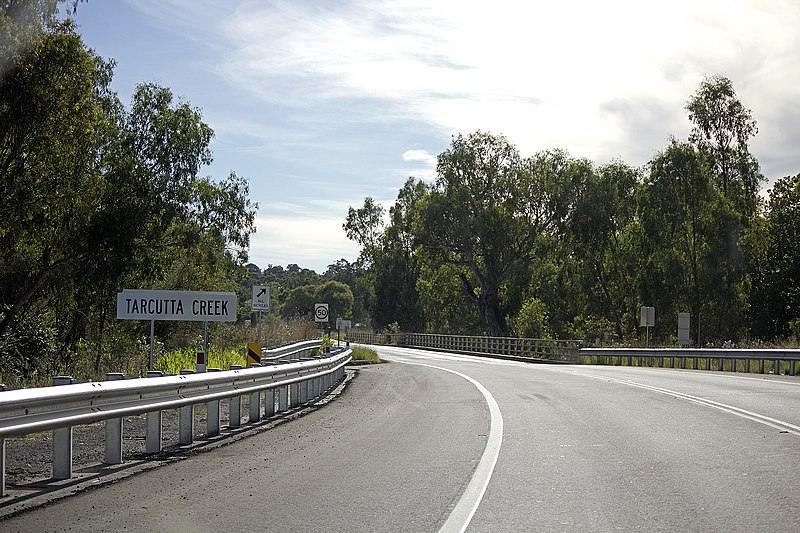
777	359
570	351
541	350
282	385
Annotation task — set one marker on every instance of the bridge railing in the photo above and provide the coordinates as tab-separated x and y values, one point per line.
777	361
542	350
270	388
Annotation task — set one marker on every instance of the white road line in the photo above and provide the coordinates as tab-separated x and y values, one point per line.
464	510
743	413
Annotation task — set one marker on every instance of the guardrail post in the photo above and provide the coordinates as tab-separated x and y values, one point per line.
186	419
62	442
777	369
283	398
212	414
114	430
304	391
269	403
255	401
153	435
294	397
255	407
235	407
2	467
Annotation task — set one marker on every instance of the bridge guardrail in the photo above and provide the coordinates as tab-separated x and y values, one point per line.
24	411
778	358
570	351
541	350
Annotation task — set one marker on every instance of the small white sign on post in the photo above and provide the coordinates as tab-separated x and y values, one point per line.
683	328
648	316
320	312
260	299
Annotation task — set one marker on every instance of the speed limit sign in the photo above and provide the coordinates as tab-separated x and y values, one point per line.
320	312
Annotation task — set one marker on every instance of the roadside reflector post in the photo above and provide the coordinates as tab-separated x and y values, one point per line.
62	442
202	361
114	430
153	435
186	421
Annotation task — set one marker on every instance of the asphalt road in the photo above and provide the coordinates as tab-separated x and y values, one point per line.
435	442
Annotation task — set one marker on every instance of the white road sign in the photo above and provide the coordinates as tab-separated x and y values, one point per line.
320	312
176	305
260	300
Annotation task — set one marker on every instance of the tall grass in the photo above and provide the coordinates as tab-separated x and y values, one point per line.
173	361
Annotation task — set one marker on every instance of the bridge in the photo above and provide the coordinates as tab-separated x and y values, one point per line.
438	440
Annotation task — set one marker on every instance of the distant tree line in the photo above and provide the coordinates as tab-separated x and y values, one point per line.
557	246
97	196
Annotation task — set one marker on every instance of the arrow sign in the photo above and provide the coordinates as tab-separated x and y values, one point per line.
260	301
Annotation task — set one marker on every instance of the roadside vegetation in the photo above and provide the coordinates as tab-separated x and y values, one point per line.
365	354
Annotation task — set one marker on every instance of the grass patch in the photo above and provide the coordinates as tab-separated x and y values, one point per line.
174	361
365	354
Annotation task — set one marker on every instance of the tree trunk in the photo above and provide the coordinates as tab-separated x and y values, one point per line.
489	309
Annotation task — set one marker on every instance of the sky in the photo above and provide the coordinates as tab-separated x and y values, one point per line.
321	104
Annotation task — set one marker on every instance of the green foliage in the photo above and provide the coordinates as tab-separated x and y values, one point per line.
774	247
300	301
532	321
96	197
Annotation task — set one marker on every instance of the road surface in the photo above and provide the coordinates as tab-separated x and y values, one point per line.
432	442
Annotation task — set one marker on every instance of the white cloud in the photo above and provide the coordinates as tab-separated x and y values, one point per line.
309	241
541	73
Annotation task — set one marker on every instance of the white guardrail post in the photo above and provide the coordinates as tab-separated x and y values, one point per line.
153	434
114	431
67	404
62	442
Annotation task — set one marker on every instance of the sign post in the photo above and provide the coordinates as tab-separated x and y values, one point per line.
648	320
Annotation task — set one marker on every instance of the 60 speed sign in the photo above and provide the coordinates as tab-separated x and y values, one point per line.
320	312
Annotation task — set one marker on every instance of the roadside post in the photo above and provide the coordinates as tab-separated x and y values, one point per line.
648	320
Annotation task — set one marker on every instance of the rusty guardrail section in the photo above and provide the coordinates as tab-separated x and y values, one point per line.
281	384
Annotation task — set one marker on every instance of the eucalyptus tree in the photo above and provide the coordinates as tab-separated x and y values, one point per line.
723	127
598	236
487	212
